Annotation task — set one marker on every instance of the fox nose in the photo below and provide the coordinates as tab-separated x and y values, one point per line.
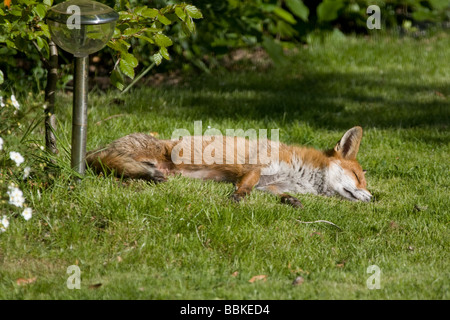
368	196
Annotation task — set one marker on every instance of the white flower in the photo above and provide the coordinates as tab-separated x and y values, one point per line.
26	214
26	172
15	103
1	142
2	104
4	223
16	157
15	196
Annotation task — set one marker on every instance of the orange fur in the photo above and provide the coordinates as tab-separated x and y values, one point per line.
141	156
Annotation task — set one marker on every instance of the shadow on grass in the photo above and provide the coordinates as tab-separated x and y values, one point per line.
327	100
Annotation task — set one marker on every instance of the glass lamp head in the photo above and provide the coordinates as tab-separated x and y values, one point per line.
81	27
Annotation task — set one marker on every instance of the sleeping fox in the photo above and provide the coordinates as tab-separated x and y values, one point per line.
296	169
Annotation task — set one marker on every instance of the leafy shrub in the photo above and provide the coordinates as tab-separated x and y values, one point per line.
23	30
277	24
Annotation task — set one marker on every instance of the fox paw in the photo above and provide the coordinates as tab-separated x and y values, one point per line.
158	177
290	200
236	197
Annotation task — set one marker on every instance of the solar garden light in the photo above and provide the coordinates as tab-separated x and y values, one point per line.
81	27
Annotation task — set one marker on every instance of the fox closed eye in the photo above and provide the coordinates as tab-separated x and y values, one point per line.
357	178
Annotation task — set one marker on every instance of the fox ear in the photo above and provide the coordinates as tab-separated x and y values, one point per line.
348	146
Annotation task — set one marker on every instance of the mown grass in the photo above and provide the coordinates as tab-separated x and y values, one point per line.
185	239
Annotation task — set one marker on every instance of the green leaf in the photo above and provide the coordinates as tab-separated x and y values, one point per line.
283	14
10	44
162	40
126	68
117	33
193	12
138	10
124	43
423	14
123	4
180	13
40	10
267	7
119	45
163	51
144	37
298	8
127	64
439	4
48	2
117	80
163	19
16	12
328	10
2	78
285	29
157	58
40	42
201	65
153	29
150	13
44	29
131	59
274	50
185	29
125	16
190	25
131	31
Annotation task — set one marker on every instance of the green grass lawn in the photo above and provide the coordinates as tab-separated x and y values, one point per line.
185	239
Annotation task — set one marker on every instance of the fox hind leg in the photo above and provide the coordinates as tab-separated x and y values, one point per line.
284	197
293	201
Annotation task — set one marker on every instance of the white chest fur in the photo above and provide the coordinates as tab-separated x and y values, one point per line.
297	177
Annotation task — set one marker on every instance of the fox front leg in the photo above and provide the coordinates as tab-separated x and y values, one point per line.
246	184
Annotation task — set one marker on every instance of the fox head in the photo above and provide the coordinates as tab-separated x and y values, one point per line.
347	177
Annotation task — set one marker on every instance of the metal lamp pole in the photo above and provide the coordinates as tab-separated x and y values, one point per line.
81	27
79	114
